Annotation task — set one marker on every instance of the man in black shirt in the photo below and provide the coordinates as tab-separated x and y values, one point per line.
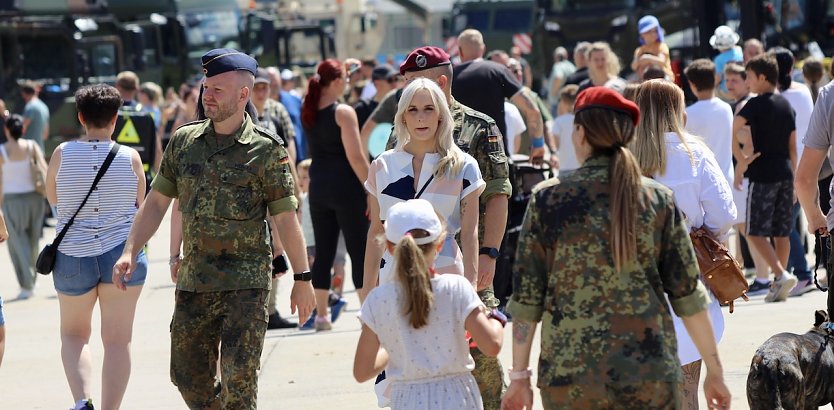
581	63
483	85
385	78
770	171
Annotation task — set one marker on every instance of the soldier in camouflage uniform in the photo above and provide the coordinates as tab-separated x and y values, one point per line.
227	173
607	338
477	135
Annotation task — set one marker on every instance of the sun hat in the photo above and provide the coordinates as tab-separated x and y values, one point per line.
723	38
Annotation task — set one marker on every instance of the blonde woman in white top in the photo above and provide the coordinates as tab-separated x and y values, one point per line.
684	164
22	204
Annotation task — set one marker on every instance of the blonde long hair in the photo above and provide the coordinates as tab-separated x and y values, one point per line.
451	157
662	108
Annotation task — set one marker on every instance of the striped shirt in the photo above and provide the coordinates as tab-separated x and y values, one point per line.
105	220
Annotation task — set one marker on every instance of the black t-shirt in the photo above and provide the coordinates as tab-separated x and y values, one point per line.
364	108
578	76
771	120
483	85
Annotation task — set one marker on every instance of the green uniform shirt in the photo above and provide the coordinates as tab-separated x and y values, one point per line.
277	110
225	188
598	325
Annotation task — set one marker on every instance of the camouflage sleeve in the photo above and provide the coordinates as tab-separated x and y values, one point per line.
488	149
286	123
165	181
279	189
530	268
679	268
386	110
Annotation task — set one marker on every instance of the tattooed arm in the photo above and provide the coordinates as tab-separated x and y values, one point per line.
523	333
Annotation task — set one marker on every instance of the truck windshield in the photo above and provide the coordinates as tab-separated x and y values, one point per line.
45	58
561	6
205	30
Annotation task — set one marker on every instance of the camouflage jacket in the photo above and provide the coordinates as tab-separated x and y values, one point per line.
225	187
276	111
600	325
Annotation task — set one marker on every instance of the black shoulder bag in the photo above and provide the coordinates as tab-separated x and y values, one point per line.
46	259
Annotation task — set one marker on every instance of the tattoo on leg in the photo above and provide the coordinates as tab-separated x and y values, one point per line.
689	387
521	331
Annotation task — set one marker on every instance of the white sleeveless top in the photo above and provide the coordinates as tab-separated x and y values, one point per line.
105	220
17	175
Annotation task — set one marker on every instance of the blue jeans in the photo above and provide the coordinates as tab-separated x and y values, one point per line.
797	261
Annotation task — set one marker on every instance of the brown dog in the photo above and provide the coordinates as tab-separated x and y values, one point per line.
791	371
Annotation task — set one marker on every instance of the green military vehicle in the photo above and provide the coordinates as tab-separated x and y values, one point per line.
65	44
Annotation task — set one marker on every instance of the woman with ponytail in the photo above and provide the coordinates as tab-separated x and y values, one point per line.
684	164
338	202
415	325
598	255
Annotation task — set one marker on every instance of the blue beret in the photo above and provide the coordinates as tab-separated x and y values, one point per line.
221	60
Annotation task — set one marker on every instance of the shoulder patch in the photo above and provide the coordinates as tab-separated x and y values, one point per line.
268	133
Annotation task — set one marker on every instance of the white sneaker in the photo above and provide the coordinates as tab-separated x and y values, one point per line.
25	294
781	288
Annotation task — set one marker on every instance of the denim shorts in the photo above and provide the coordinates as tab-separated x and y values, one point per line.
77	276
2	317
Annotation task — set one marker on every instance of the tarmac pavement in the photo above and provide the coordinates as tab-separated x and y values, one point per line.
300	370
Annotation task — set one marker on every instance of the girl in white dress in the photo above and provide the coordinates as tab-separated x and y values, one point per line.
415	326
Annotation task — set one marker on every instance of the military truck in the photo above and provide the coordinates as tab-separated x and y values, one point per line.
70	43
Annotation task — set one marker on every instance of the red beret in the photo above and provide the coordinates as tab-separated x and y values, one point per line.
606	98
424	58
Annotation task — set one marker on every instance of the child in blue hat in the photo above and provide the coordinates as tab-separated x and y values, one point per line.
652	51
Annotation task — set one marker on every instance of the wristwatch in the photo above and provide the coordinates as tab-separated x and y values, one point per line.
499	316
491	252
305	276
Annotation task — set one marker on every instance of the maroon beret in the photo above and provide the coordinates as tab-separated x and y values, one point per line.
424	58
606	98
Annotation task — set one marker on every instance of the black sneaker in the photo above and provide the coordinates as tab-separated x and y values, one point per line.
277	322
758	288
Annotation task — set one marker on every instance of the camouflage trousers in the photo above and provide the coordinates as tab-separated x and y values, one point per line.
488	370
229	323
637	396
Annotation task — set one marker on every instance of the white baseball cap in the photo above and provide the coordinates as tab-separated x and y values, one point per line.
413	214
287	74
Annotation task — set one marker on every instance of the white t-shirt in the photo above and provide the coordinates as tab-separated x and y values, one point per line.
368	91
705	198
515	125
437	349
712	120
800	99
562	129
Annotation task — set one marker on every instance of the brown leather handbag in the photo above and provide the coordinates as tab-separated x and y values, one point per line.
719	270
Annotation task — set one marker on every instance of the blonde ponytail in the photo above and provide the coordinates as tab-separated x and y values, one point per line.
413	273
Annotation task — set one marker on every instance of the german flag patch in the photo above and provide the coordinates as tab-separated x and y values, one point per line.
284	161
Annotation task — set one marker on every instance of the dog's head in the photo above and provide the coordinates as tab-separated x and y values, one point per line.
820	317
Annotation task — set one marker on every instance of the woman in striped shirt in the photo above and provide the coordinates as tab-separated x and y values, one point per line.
93	243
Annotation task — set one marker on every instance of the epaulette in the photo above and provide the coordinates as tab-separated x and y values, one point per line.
479	115
191	123
268	133
547	183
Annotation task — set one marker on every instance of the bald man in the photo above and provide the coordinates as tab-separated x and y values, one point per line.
483	85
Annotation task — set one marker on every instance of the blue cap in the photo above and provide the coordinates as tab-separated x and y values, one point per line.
222	60
647	23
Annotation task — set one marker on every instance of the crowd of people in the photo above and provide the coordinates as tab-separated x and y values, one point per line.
408	172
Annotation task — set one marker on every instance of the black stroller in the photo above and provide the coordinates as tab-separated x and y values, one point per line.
523	177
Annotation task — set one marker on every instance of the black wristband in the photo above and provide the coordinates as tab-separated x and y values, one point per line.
279	265
305	276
